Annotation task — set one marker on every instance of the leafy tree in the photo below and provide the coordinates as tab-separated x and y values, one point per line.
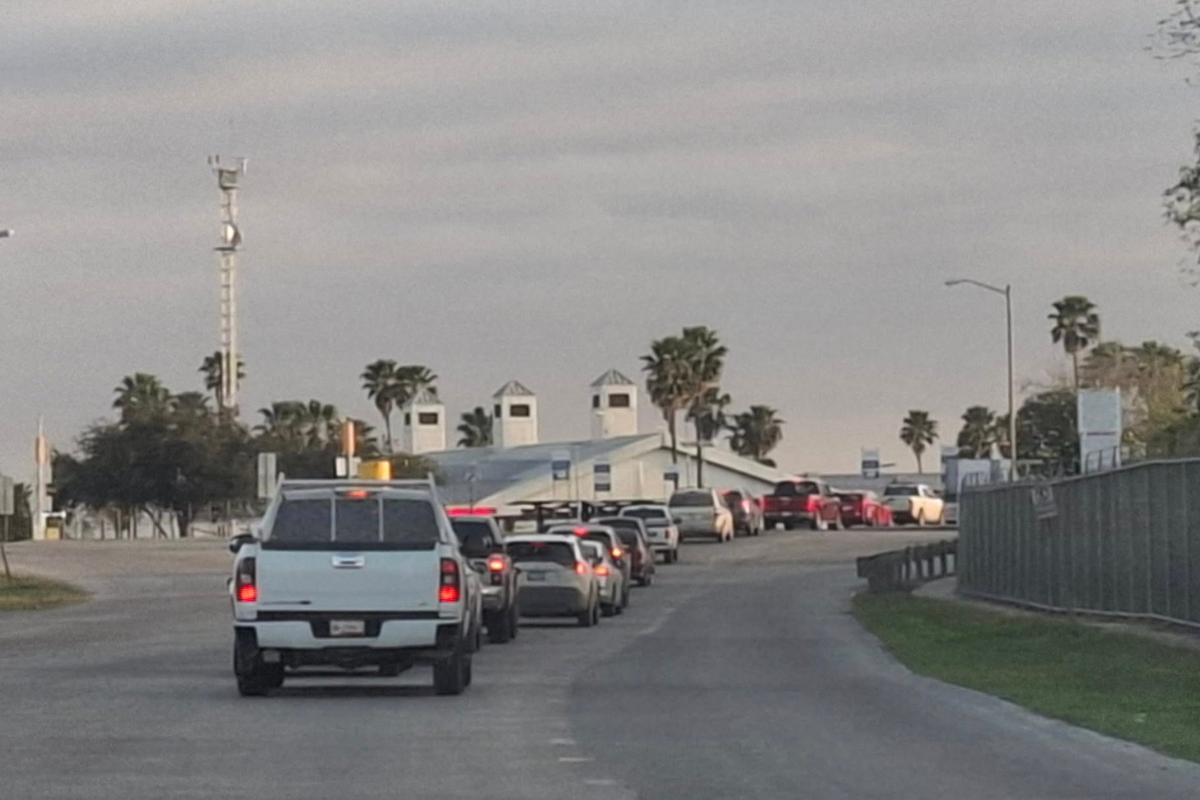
1076	326
213	368
756	433
670	381
708	414
978	432
918	431
1047	430
476	428
707	356
382	386
140	396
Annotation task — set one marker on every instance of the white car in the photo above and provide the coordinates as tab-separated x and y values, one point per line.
914	502
661	532
701	512
609	579
556	577
351	574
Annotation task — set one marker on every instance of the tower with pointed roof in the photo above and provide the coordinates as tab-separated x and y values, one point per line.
614	406
514	415
424	424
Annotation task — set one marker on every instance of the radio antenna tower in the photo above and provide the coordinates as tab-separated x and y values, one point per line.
228	176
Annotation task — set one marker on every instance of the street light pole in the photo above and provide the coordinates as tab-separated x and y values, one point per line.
1012	410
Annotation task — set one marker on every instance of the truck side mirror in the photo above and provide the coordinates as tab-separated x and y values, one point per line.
237	542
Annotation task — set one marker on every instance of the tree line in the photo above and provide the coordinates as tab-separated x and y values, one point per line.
1160	389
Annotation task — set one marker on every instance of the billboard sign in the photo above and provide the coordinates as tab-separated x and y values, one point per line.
560	465
1100	428
870	462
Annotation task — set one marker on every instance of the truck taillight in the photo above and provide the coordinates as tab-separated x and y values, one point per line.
450	590
496	564
602	570
245	584
580	568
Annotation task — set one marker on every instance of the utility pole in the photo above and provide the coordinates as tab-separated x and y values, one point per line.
228	178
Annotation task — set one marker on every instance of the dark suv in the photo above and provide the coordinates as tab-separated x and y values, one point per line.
633	534
480	542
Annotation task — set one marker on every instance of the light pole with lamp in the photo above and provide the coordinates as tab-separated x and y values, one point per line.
1012	411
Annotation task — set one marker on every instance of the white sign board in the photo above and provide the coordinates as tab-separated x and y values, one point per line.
1099	413
8	506
870	462
560	465
602	476
266	475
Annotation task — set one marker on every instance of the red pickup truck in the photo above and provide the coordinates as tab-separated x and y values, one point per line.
806	500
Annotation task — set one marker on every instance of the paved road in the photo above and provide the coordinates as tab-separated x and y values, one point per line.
738	675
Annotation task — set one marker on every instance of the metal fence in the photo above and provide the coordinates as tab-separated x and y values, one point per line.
1124	542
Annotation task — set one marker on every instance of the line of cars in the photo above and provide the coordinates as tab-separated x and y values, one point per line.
376	577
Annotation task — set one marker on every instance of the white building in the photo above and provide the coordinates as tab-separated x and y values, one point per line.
614	406
638	469
424	424
514	416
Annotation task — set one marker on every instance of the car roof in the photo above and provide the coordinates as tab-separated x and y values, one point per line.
589	527
656	506
541	537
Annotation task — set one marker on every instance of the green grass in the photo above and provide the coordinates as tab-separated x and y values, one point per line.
26	593
1116	683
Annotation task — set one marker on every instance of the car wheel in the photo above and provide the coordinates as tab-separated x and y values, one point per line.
514	619
587	617
608	609
389	670
646	579
675	556
450	674
468	672
499	627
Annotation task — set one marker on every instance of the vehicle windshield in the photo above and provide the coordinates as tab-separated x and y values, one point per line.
321	523
795	489
621	526
542	551
900	491
473	534
850	497
691	500
651	516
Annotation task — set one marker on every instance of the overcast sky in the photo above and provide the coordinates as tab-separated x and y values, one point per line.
535	189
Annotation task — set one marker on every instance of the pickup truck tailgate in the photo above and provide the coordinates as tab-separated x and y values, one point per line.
328	580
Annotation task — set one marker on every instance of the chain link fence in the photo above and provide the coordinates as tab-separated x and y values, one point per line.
1125	542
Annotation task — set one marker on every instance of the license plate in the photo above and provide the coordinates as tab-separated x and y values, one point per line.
535	577
347	627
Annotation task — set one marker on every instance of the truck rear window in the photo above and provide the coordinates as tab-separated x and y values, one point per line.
650	515
891	491
370	523
792	489
552	552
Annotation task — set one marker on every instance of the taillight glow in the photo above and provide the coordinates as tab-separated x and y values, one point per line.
357	494
449	591
466	511
745	503
602	570
496	564
617	552
581	531
247	593
580	568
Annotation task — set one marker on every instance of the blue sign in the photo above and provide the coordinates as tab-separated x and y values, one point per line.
602	474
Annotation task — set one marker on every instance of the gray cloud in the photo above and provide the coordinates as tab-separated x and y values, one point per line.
536	189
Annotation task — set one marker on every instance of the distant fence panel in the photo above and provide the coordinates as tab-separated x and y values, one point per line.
1123	542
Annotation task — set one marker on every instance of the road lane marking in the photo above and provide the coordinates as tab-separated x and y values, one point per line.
599	782
563	742
574	759
657	624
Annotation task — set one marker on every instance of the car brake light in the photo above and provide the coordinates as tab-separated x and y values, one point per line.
745	503
602	570
496	564
358	494
246	587
449	591
617	552
580	568
581	531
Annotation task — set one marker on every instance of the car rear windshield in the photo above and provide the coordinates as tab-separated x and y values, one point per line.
621	525
549	552
650	515
473	534
370	523
692	499
794	489
854	498
900	491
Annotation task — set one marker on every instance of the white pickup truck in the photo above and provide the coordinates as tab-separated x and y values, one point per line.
353	574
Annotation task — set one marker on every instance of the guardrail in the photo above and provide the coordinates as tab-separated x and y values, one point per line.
903	569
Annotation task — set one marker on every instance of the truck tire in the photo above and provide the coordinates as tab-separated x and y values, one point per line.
450	674
499	626
253	676
514	619
608	609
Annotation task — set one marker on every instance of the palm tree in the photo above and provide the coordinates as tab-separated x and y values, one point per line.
413	380
141	395
670	381
476	428
382	385
978	432
707	413
320	422
282	421
191	404
1105	365
707	355
756	432
213	368
917	432
1077	326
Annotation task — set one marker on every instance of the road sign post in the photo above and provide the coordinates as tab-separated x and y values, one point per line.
8	507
